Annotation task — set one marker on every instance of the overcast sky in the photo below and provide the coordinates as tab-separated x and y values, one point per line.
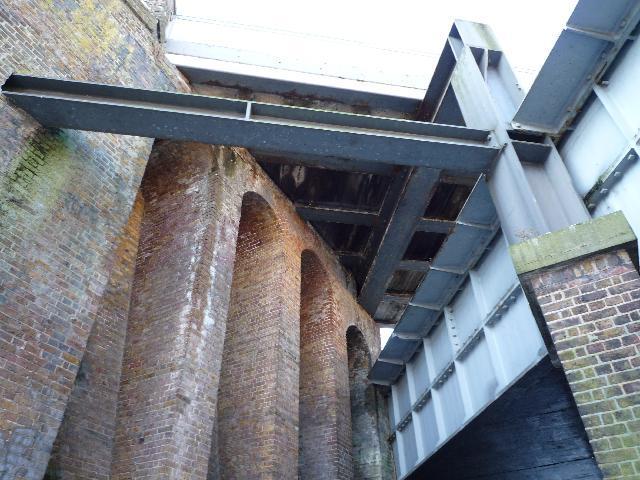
393	41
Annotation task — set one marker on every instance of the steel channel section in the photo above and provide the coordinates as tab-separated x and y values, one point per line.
314	213
586	48
272	128
474	230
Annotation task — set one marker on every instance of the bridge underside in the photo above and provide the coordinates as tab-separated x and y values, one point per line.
403	203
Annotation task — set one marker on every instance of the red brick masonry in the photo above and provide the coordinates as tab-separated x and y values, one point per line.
216	325
69	226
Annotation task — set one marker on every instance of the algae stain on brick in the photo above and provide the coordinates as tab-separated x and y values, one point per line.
229	161
89	23
38	176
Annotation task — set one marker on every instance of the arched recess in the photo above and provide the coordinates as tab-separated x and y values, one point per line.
368	451
321	448
245	437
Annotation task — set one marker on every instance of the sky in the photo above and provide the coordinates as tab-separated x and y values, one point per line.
388	42
385	43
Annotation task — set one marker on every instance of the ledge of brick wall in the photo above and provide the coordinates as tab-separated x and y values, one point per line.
578	241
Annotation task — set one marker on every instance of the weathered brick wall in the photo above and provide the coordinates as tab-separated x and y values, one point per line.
321	454
65	197
177	318
369	459
592	309
306	254
174	355
84	444
249	379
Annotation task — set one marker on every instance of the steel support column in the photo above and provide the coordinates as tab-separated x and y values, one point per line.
533	193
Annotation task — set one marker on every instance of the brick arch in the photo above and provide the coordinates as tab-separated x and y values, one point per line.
360	321
365	438
244	437
322	452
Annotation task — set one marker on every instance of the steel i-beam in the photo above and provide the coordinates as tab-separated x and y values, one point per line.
273	128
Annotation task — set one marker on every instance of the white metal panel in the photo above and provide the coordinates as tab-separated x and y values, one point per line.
491	355
494	276
261	47
479	375
517	339
427	423
420	371
623	86
592	147
624	104
449	400
625	196
402	397
440	348
409	450
467	317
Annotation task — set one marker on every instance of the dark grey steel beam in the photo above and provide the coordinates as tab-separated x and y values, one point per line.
411	205
389	205
414	265
403	298
438	86
301	91
352	260
532	152
336	215
329	163
273	128
435	226
580	58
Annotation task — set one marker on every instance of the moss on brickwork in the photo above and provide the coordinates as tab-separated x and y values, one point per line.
591	307
39	174
229	161
64	199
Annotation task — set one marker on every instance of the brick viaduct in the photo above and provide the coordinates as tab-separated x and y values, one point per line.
164	312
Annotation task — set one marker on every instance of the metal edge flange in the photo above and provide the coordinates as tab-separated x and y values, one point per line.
608	180
446	373
503	305
406	420
422	401
470	343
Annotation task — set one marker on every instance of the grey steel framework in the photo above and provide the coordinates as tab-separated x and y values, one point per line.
273	128
416	154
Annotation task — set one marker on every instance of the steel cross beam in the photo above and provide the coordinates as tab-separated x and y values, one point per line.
272	128
411	205
313	213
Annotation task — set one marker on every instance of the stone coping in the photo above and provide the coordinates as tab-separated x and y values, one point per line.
577	241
